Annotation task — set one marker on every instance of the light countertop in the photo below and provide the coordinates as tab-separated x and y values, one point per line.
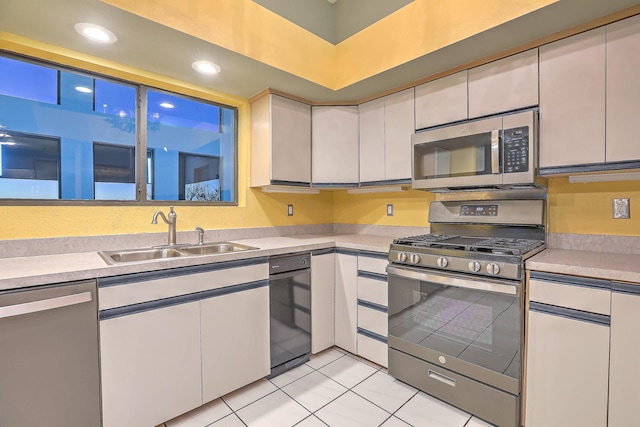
600	265
22	272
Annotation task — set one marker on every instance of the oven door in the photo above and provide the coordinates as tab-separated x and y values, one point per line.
466	324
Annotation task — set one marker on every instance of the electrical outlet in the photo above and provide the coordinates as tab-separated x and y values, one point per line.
621	209
390	209
289	210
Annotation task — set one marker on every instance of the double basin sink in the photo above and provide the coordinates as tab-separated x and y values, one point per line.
165	252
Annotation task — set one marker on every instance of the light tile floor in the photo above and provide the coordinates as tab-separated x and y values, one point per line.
333	389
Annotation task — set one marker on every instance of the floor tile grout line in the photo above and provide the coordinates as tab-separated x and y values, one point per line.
254	401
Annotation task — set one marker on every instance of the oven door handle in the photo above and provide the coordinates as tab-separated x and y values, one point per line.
495	151
459	282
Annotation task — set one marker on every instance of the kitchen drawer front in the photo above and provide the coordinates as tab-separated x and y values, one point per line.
372	349
572	293
172	284
373	264
372	289
372	319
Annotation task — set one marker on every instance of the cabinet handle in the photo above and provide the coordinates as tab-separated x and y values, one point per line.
442	378
44	305
495	151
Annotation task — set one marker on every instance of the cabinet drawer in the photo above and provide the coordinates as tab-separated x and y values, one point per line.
372	290
576	295
372	265
372	349
372	320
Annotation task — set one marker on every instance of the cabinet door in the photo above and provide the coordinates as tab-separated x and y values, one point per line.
235	340
567	371
507	84
290	140
150	364
372	149
623	90
346	302
399	126
442	101
572	100
335	145
624	399
322	301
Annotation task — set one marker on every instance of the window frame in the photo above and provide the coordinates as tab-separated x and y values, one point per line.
141	149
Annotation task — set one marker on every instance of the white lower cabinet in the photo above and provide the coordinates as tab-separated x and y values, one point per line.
173	340
567	366
150	363
372	308
322	300
624	398
346	301
235	340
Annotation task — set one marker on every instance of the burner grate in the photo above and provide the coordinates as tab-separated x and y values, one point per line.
423	239
506	246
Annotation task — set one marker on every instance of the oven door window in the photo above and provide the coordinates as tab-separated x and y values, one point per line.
475	326
471	155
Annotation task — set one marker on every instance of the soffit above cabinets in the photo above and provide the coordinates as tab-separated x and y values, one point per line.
164	37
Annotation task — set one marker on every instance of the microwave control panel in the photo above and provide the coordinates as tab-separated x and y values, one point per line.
516	150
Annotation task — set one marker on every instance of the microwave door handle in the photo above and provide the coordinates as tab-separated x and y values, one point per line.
495	151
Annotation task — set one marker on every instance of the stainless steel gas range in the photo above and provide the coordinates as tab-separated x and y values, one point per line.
456	304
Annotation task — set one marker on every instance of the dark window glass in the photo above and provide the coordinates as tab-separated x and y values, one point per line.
199	178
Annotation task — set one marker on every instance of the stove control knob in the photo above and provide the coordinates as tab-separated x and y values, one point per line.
493	268
442	262
402	257
415	259
474	266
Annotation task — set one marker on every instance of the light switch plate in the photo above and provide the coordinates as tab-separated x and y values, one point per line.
621	209
289	210
390	209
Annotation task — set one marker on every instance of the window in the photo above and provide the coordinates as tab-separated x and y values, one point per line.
69	135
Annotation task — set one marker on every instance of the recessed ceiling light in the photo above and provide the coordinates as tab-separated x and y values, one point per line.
206	67
83	89
96	33
167	105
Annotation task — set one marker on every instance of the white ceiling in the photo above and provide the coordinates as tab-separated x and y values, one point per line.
149	46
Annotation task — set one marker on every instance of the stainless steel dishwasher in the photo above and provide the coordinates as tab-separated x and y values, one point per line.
290	311
49	353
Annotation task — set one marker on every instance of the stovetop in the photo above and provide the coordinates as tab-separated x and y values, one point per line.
499	257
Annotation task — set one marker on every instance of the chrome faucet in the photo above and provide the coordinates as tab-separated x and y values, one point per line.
171	221
200	231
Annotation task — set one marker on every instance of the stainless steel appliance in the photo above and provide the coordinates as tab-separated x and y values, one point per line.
456	304
290	311
49	354
492	152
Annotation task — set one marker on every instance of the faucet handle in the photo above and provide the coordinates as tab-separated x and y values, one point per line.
200	231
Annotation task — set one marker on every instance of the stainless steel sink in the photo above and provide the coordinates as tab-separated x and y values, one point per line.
137	255
215	248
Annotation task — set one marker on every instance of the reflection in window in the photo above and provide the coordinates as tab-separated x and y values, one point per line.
24	80
114	172
29	166
199	178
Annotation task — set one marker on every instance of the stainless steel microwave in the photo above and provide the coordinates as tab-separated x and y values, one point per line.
499	151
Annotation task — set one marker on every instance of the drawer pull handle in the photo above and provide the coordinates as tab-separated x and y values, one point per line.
44	305
442	378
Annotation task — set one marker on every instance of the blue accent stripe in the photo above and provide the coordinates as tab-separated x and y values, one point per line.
625	288
387	182
344	251
585	282
377	255
372	306
323	252
177	300
335	185
180	271
291	183
570	313
373	276
372	335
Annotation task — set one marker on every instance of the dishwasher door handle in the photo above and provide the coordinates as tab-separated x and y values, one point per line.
44	305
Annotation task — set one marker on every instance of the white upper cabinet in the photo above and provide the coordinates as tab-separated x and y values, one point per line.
504	85
335	145
372	140
386	126
623	90
441	101
572	100
280	141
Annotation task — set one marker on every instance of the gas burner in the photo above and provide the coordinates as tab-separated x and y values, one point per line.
506	246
